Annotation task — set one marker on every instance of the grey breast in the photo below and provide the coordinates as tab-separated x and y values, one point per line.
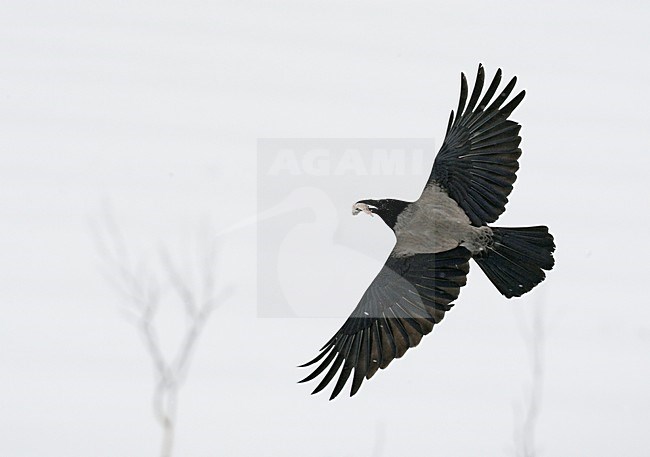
435	223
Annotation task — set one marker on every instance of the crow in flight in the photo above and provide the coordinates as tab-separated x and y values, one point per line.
437	235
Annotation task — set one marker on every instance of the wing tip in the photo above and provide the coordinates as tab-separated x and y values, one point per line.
323	351
355	388
318	388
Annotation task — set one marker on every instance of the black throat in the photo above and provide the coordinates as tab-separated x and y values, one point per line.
388	209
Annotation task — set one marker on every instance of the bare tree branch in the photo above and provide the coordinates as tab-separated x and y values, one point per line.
143	288
527	414
179	284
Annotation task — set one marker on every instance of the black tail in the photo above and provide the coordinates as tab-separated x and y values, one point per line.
515	259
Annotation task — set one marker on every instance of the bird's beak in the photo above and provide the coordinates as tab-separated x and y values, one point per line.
361	207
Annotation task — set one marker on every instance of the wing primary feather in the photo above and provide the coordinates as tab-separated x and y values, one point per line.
350	361
399	334
510	128
512	104
463	98
389	348
321	367
331	341
451	122
375	350
503	95
491	90
363	362
478	87
334	368
324	351
494	112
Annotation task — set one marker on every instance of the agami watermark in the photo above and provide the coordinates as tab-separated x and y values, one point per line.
305	191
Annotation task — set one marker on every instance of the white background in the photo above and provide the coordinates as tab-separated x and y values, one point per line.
156	106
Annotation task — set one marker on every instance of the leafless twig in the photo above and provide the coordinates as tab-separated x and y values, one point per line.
527	414
143	284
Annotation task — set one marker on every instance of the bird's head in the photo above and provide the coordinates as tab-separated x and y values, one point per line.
388	209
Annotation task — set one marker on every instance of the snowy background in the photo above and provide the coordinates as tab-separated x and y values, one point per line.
156	108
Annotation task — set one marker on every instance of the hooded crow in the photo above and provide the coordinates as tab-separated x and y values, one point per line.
437	235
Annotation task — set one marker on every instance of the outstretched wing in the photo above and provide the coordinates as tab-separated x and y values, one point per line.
477	162
406	299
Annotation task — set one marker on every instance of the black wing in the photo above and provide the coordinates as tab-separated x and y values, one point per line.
405	300
477	162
